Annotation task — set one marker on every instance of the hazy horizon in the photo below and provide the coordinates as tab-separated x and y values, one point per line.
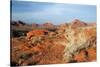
57	13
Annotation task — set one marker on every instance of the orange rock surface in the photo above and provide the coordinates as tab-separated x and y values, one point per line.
80	57
56	47
91	54
36	33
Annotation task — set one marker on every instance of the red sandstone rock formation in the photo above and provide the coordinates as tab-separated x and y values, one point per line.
47	47
36	33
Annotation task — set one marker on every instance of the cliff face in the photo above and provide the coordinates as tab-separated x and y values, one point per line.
56	47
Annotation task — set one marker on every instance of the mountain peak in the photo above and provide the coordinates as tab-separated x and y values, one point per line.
77	23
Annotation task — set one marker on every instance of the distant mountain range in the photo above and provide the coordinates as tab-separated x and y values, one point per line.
49	25
74	23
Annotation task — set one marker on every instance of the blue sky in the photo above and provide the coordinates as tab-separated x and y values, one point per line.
57	13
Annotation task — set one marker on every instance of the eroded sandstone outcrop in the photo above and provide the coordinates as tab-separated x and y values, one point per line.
64	45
